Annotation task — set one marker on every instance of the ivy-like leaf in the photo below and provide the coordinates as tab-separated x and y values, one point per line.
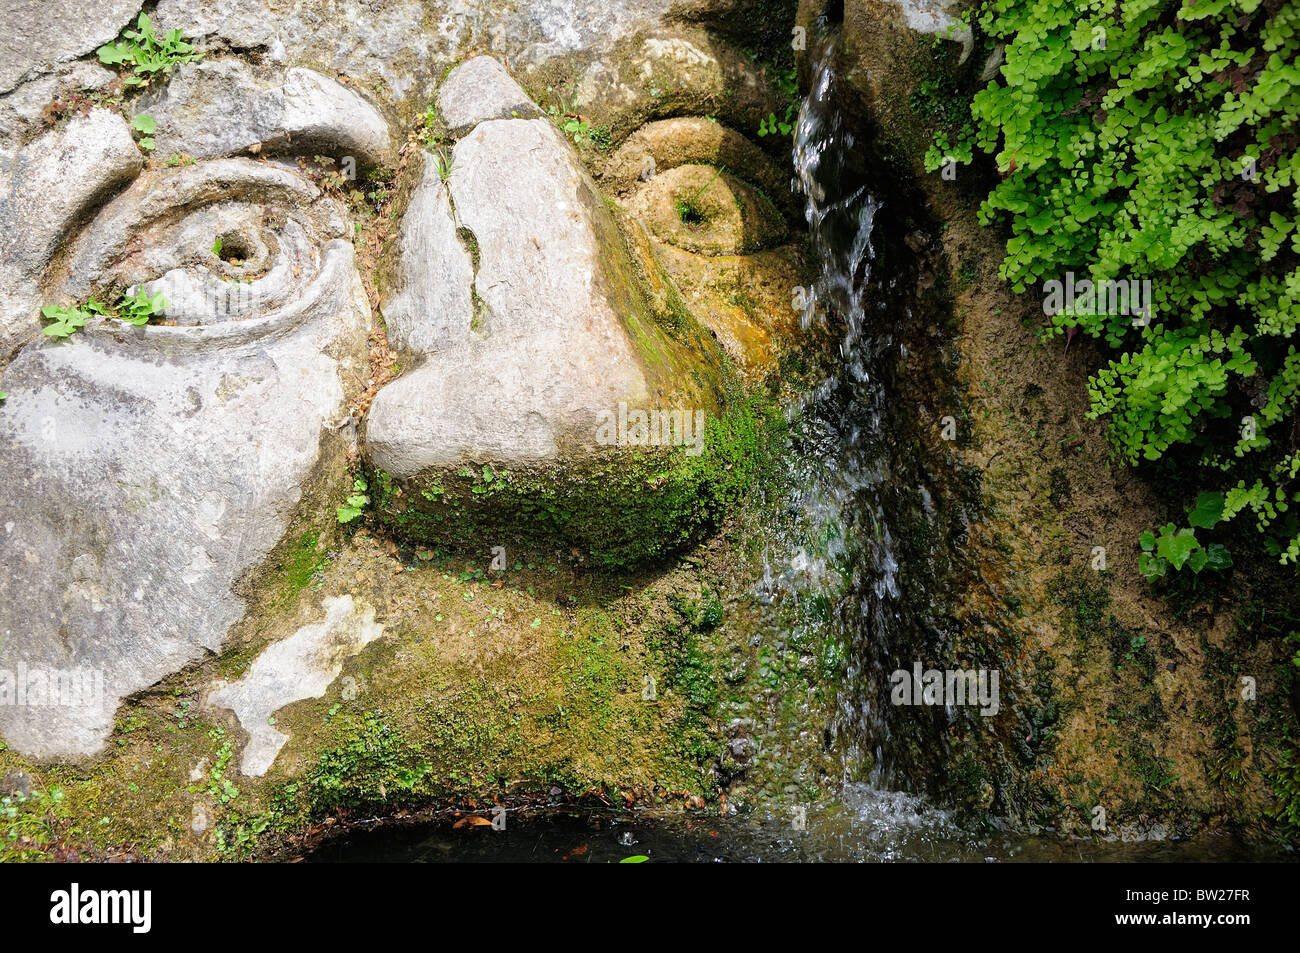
1176	545
1208	510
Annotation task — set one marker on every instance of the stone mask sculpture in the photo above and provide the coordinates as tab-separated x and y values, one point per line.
149	471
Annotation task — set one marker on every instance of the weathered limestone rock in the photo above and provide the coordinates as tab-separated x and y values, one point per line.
707	211
40	34
560	336
660	146
726	259
674	72
423	315
888	49
550	350
146	470
301	666
481	89
219	107
935	18
401	48
22	109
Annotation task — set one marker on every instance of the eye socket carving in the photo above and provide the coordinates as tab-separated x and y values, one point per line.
702	187
708	211
228	243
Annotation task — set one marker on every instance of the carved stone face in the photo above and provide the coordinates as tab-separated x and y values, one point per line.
149	471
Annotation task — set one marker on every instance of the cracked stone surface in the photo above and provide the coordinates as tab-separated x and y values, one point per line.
219	107
551	349
39	34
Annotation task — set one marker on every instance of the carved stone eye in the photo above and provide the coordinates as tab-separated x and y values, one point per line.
231	241
708	211
701	187
720	215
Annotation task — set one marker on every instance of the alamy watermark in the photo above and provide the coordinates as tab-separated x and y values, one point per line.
651	428
1127	298
946	687
51	688
133	908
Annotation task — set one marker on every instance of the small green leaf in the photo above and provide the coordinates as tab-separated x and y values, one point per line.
1176	546
635	859
1150	566
1208	510
112	54
144	123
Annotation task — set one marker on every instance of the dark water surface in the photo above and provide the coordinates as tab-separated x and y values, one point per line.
871	826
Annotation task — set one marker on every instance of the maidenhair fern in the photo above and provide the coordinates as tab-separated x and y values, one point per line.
1157	140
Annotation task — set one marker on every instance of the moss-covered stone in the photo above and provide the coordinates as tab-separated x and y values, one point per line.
629	506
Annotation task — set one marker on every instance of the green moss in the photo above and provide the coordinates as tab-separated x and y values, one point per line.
302	563
627	508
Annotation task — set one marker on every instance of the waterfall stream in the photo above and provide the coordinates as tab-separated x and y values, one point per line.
857	486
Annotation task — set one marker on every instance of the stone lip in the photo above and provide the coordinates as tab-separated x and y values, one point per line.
478	90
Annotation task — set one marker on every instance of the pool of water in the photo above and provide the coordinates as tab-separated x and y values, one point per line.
867	825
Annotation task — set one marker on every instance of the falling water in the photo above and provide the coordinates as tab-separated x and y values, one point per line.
859	487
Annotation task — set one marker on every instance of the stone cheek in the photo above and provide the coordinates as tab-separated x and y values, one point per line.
136	490
147	470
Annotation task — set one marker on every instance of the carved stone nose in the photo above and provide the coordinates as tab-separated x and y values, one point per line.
529	324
